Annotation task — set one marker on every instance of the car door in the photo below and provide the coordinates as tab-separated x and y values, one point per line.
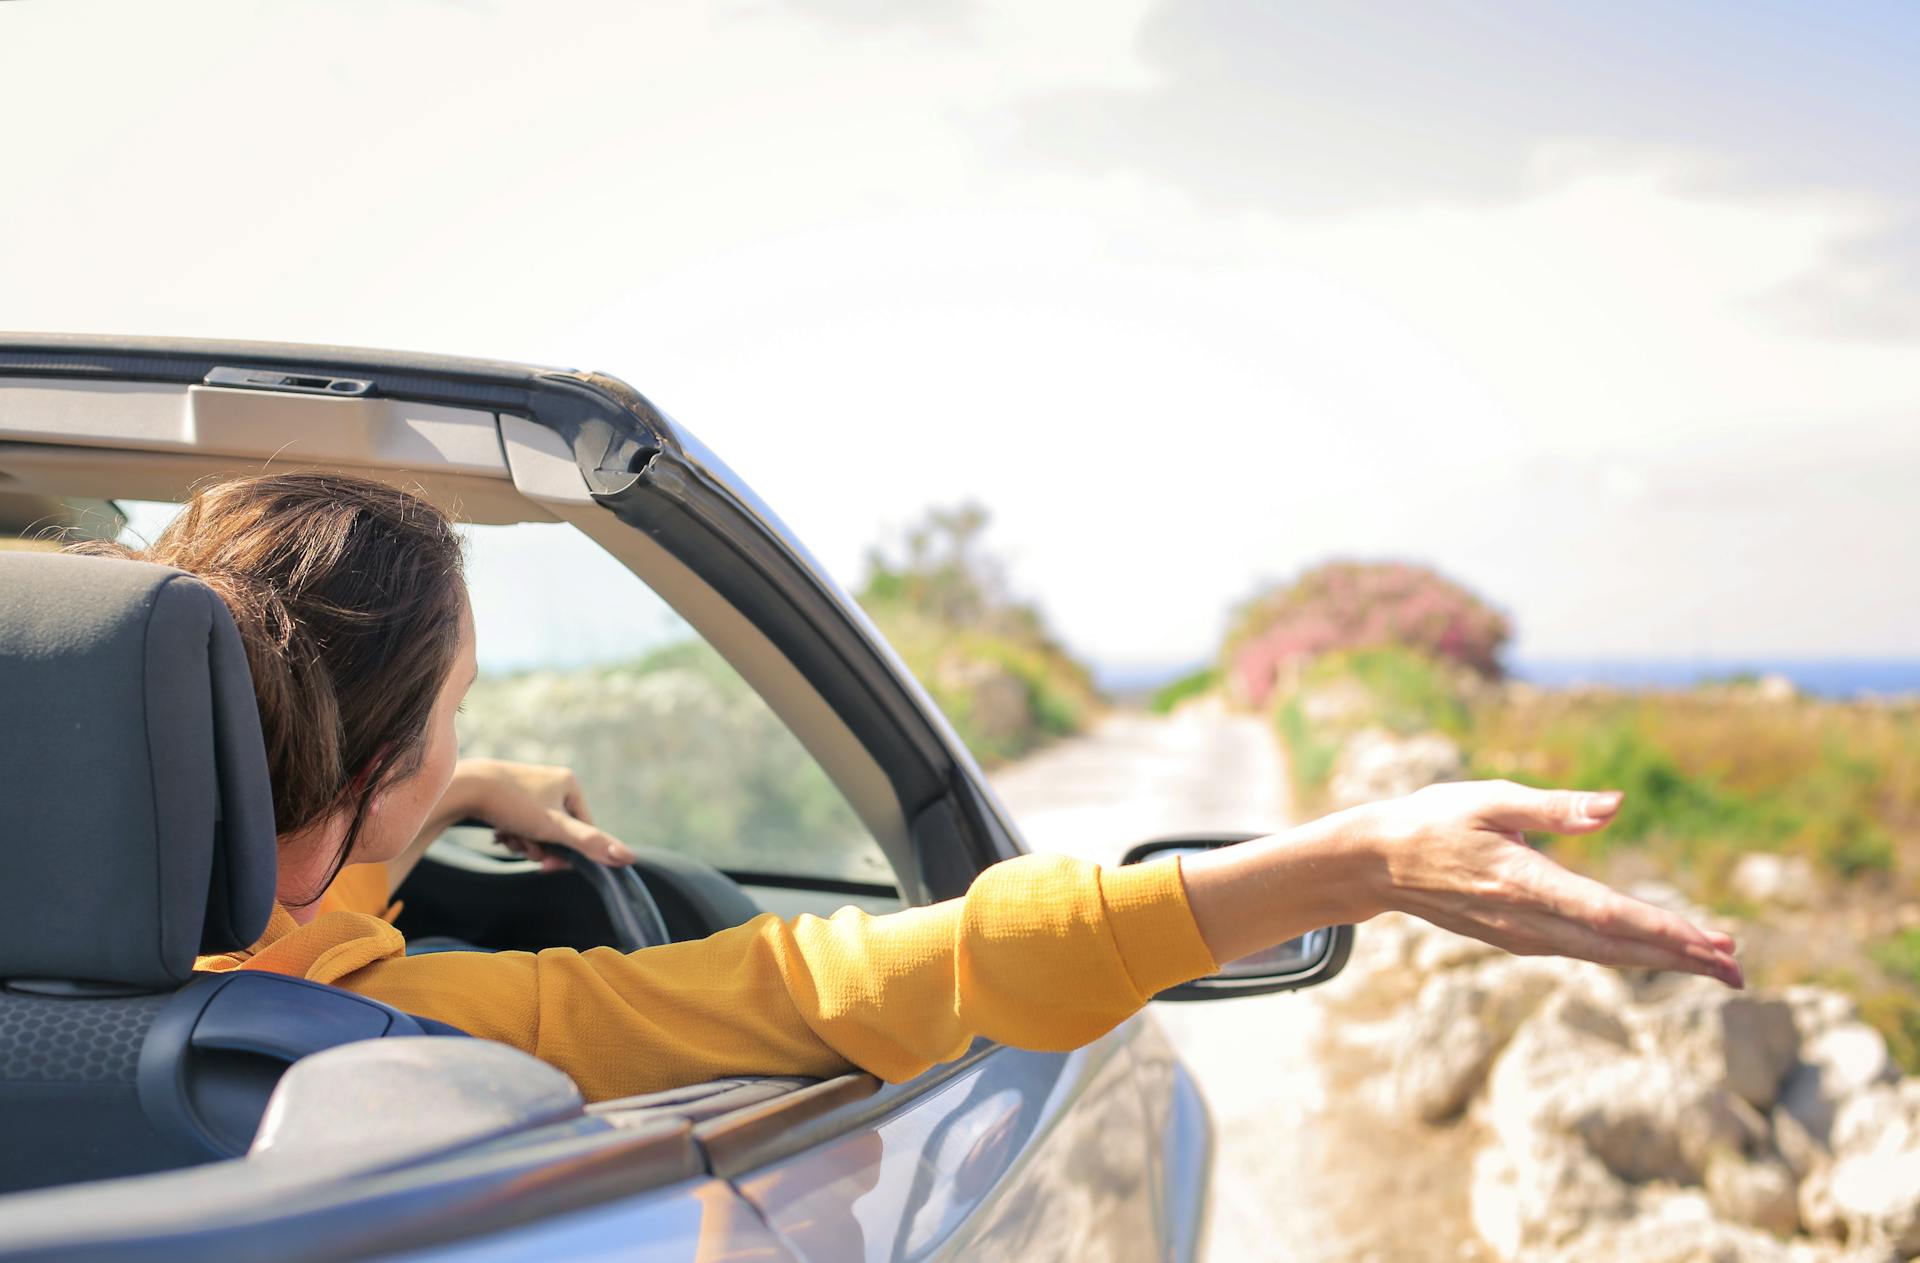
1007	1154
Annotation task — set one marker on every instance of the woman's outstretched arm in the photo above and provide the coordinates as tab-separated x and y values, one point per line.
1455	855
1042	952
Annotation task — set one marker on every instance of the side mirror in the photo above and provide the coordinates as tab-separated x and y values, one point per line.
1306	961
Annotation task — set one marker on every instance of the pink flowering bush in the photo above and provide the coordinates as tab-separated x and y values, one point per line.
1360	605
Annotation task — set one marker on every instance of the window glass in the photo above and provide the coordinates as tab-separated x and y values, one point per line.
581	664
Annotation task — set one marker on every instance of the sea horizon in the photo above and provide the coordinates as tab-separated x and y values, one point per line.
1840	678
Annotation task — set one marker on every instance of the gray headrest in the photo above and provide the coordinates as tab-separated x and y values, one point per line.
136	820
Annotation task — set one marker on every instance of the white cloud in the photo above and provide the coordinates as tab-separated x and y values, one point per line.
819	247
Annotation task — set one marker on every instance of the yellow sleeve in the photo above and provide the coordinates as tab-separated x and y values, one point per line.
1043	952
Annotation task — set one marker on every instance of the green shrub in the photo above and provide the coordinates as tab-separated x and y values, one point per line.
1408	691
1194	684
1835	801
1310	754
941	599
1346	605
1856	852
1662	799
1895	1013
1399	689
1900	956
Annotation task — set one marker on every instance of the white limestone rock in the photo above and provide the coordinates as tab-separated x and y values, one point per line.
1658	1241
1651	1120
1542	1195
1873	1187
1786	881
1462	1019
1818	1009
1572	1070
1442	950
1798	1147
1834	1065
1747	1042
1761	1193
1376	764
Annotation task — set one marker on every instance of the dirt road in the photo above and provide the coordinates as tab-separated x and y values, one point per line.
1312	1165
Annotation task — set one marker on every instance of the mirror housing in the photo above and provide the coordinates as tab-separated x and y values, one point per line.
1306	961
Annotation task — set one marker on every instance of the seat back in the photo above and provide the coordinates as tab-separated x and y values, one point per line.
136	832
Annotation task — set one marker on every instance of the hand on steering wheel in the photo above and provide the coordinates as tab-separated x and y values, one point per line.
538	811
534	807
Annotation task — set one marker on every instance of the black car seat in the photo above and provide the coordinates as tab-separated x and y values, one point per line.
136	832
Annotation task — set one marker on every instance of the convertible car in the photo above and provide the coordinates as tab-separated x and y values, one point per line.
644	619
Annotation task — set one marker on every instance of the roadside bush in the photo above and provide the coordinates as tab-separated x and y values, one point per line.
1339	694
1711	774
1406	691
1900	956
1894	1009
987	660
1359	605
1187	687
1312	751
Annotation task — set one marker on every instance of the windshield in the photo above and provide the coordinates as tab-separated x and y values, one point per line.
583	665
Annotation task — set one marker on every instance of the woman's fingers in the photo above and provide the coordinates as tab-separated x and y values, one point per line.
1570	938
578	835
564	831
1507	806
1586	918
527	848
1457	855
1522	901
1570	895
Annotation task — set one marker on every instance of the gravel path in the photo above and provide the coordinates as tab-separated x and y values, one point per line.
1311	1165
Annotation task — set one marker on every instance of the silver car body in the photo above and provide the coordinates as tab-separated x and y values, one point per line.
1100	1153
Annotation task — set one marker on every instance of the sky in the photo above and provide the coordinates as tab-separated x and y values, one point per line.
1609	311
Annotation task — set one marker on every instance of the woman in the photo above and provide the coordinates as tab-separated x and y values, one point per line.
349	597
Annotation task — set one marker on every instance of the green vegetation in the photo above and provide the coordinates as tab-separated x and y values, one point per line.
678	752
1187	687
1405	691
1895	1013
1312	751
1711	774
1338	694
1900	956
987	659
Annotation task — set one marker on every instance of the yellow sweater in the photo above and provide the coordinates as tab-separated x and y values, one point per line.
1042	952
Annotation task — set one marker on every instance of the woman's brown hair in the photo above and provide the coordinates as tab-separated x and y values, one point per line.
348	595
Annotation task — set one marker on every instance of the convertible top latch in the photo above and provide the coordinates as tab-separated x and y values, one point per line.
301	383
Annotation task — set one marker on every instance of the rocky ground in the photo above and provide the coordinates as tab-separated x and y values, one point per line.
1440	1100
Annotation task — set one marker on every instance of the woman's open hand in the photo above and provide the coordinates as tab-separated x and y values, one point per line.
1453	854
1457	855
530	804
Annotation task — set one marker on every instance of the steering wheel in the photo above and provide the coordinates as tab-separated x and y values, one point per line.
630	906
